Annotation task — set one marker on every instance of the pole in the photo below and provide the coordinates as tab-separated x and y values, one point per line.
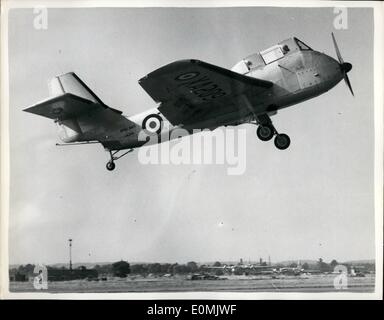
70	254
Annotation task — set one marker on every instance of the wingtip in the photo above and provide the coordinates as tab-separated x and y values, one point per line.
142	79
65	73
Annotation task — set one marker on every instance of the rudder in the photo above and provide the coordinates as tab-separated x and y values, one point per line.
71	83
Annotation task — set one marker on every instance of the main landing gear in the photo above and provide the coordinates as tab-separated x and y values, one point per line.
113	154
266	131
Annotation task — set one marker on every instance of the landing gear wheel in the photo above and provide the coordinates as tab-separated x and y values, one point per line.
282	141
114	156
110	165
265	132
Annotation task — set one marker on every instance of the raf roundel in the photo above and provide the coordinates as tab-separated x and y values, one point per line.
187	76
153	124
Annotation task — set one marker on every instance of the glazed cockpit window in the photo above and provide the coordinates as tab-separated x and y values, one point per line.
302	45
241	67
272	54
255	61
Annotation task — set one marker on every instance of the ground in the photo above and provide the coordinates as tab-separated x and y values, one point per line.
312	283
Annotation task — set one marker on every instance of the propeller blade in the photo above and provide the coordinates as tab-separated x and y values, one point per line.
344	66
346	79
341	61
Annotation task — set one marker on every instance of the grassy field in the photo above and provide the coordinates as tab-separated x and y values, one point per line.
313	283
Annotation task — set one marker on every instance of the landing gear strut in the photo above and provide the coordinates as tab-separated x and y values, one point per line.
113	154
266	131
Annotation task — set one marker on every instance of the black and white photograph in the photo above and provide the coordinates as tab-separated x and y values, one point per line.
172	150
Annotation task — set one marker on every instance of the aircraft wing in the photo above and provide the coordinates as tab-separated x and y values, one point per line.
193	91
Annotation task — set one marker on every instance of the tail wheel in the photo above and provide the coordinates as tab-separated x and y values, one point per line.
115	156
265	132
110	165
282	141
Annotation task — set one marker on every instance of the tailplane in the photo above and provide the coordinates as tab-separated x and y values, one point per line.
70	98
71	105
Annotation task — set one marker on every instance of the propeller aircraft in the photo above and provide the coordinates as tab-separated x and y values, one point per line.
195	95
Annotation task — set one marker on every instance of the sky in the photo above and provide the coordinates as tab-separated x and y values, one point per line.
310	201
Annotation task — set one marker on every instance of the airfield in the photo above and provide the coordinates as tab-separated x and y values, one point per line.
307	283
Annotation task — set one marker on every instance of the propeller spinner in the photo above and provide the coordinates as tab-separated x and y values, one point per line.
345	67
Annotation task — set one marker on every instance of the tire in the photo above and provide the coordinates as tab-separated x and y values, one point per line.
110	165
282	141
265	132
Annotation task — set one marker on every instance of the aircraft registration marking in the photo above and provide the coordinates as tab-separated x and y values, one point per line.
201	86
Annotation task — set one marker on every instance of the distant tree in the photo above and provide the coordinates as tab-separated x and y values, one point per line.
138	269
121	269
323	267
293	265
305	266
181	269
170	268
104	269
217	264
348	266
173	267
154	268
192	266
82	268
12	270
29	268
26	270
333	263
166	268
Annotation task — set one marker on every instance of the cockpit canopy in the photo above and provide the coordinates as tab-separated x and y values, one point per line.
270	55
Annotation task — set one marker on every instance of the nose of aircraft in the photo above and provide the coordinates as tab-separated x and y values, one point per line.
346	67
